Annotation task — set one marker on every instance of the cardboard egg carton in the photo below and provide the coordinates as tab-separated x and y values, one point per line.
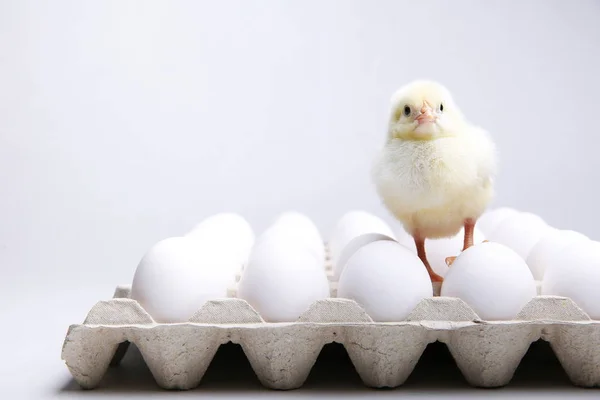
282	354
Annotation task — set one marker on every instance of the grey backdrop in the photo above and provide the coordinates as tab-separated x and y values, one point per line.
122	123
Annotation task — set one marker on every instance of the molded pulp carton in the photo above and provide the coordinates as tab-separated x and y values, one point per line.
282	354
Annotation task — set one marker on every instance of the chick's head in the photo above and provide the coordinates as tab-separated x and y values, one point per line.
424	110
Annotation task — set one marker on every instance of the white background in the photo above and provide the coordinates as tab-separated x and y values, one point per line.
122	123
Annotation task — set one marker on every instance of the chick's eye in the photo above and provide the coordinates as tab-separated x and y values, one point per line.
441	107
407	111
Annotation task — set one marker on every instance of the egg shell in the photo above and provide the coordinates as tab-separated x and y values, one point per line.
547	248
225	269
575	273
386	279
438	250
289	235
520	232
491	219
172	281
491	278
282	279
352	247
230	233
300	228
351	225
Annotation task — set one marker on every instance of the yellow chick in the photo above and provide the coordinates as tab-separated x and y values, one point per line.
435	171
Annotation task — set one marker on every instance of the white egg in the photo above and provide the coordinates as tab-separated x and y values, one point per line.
438	249
491	219
350	226
386	279
300	228
575	273
228	233
218	263
282	279
520	232
491	278
547	248
352	247
172	281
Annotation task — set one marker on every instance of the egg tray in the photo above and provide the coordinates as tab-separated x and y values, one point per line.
282	354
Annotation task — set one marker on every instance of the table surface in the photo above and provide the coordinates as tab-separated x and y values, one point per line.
35	321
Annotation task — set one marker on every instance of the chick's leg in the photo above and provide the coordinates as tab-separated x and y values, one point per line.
420	244
468	240
469	228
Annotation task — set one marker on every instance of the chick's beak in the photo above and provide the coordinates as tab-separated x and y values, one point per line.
426	114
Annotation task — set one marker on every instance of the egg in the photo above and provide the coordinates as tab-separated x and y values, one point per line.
438	249
350	226
547	248
228	233
300	228
172	280
352	247
491	278
575	273
282	279
386	279
492	218
520	232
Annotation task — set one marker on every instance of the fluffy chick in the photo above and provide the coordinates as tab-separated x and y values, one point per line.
435	171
